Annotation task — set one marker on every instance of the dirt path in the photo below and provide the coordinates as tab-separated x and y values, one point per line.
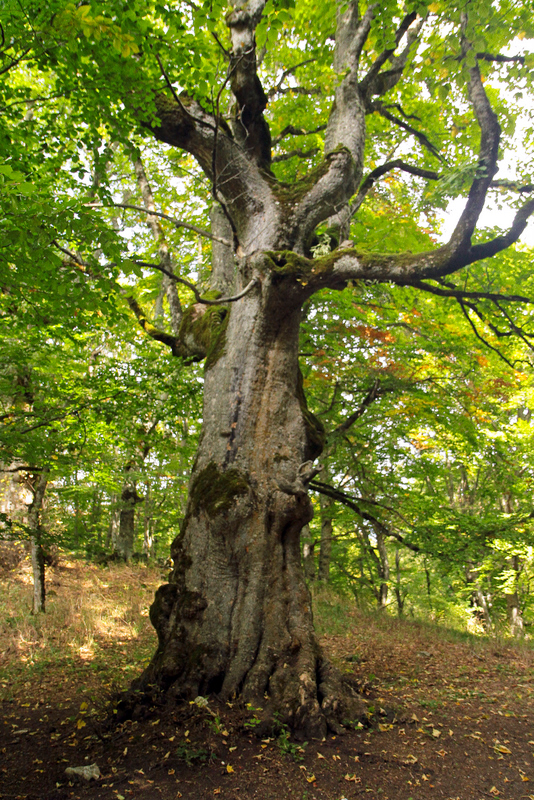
448	719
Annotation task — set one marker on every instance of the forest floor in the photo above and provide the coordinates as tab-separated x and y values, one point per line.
450	716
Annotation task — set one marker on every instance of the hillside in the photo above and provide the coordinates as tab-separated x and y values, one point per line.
449	716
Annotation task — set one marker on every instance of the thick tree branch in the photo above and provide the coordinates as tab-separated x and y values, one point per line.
378	83
345	131
251	129
488	249
490	134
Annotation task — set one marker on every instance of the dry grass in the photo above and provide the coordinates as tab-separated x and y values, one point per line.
96	622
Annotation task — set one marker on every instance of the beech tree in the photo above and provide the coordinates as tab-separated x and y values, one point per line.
411	93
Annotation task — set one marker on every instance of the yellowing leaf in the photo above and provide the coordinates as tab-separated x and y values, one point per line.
352	778
310	778
84	706
435	733
500	748
320	755
80	724
229	768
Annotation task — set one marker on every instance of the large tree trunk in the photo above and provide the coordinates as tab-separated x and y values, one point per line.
236	617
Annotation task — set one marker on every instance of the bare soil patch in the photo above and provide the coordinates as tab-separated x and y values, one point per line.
448	718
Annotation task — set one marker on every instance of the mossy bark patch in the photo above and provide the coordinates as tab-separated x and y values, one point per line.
201	325
214	492
217	344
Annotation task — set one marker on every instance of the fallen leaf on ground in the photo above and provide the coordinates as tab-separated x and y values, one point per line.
500	748
352	778
229	768
310	778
